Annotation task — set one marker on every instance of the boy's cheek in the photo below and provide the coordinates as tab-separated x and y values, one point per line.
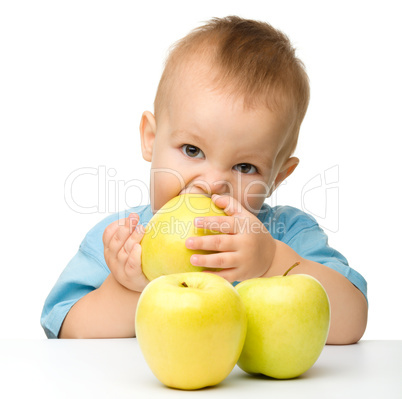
254	195
253	205
163	188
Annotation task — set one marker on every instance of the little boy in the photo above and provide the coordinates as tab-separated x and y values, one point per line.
227	115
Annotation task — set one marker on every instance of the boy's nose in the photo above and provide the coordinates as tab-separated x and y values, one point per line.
214	181
221	187
211	186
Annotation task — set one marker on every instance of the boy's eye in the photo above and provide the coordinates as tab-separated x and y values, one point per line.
192	151
245	168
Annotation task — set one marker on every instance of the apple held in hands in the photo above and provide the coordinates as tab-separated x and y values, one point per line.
163	246
191	329
288	323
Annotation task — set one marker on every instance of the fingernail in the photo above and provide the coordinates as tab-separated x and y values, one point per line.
194	260
140	228
189	243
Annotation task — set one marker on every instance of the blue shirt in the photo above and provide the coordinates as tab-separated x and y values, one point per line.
87	270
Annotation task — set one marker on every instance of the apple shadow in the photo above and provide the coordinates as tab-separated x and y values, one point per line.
208	388
314	372
321	372
238	379
222	385
231	381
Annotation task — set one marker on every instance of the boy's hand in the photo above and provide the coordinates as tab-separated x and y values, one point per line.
245	250
122	252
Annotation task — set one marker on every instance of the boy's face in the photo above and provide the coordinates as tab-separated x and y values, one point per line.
205	142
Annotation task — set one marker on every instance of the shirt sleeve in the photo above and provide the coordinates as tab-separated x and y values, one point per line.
82	275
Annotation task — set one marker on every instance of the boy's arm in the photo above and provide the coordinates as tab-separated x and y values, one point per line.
246	250
348	305
106	312
109	311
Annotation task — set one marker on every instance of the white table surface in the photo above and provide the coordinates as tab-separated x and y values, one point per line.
117	369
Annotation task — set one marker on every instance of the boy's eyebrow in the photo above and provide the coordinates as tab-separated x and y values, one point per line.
186	135
259	159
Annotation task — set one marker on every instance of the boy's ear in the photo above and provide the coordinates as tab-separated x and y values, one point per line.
147	131
286	170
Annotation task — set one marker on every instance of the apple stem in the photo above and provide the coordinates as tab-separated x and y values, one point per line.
290	268
183	284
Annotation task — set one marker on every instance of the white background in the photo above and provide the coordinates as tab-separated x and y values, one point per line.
75	77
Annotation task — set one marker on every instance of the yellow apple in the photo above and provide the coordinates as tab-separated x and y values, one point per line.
163	246
191	329
288	323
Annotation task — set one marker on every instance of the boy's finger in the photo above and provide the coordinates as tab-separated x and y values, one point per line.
230	205
134	238
134	269
220	260
111	230
215	242
134	259
123	232
131	222
109	233
218	224
227	274
138	233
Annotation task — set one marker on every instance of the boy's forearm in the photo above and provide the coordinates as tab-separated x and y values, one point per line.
107	312
348	304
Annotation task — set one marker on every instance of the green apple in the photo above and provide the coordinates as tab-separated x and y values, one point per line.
191	329
288	323
163	245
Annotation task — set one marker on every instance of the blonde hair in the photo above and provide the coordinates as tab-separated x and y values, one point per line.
250	59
